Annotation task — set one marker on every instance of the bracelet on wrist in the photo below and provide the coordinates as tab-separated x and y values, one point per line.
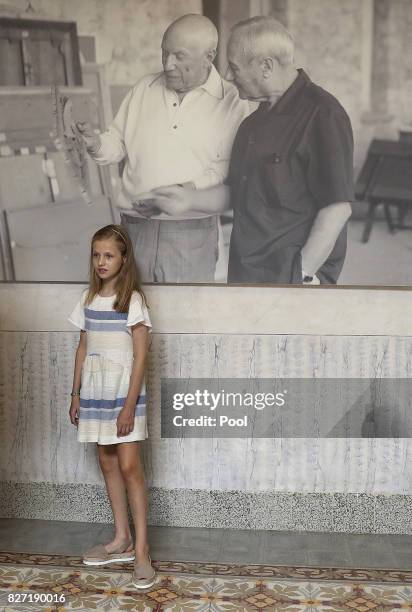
75	393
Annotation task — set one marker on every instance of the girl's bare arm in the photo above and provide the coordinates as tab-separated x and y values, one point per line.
125	420
140	347
80	357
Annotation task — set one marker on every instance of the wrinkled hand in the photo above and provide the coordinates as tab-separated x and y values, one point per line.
173	199
125	422
146	206
74	411
91	140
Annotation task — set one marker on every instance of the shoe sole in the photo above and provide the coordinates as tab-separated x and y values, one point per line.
146	586
121	560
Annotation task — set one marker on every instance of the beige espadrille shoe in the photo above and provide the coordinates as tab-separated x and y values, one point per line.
98	555
144	576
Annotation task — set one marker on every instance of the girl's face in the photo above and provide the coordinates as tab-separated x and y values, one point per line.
107	259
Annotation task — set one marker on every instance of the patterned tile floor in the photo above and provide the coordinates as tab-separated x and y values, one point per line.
218	545
56	583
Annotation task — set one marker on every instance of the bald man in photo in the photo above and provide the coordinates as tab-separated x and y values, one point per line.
177	128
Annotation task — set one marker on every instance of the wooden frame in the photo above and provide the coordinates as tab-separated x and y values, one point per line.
62	27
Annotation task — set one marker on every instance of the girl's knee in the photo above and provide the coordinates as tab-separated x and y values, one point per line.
131	470
108	461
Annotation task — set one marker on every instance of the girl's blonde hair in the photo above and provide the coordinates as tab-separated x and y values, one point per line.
128	279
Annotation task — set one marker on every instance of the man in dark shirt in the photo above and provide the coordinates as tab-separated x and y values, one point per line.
291	170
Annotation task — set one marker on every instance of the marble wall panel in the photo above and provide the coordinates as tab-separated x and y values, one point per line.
37	440
39	444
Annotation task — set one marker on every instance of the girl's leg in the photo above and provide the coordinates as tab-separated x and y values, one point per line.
132	471
109	464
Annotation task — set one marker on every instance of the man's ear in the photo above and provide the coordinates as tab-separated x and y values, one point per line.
267	67
211	55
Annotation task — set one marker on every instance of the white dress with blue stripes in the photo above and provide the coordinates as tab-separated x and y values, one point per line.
107	368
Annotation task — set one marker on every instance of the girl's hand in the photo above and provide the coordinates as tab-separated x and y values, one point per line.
74	410
125	421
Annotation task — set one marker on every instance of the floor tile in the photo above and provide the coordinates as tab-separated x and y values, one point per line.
329	558
371	543
183	553
51	537
285	557
370	558
219	545
238	545
325	541
403	561
186	536
184	543
303	540
283	540
398	543
46	536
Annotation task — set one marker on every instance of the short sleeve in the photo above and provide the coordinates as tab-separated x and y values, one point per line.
330	167
77	316
237	153
138	312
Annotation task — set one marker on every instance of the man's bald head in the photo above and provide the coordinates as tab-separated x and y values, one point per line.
194	29
188	50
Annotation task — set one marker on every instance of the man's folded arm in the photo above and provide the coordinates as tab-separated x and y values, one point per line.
214	200
175	200
213	176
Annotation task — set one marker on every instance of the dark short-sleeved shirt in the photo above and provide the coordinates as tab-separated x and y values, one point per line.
287	163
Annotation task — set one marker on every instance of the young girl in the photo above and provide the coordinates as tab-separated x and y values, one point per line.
108	399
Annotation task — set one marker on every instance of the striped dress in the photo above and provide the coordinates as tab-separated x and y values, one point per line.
107	368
